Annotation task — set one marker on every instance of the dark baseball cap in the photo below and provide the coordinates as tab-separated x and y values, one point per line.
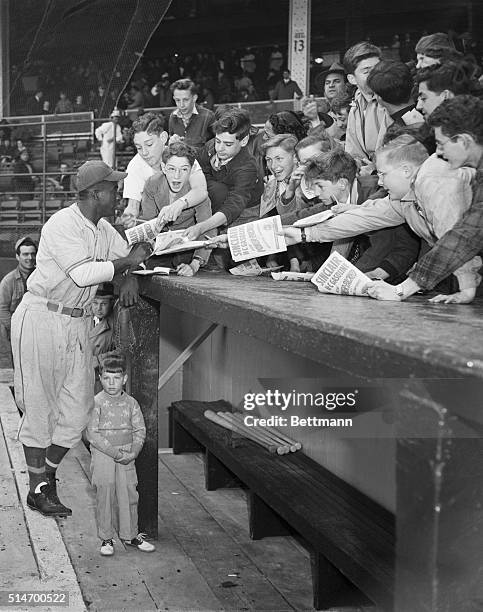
96	171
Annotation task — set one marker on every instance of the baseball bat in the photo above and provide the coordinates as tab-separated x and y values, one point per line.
282	448
283	437
212	416
274	434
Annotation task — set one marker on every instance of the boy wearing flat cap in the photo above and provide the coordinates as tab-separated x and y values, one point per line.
54	373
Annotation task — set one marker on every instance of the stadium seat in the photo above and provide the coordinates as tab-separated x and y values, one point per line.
52	206
9	210
30	210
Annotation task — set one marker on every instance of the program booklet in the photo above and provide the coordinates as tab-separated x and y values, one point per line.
337	275
256	239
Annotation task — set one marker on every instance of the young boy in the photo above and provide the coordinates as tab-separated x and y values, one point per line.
231	174
116	433
166	187
384	254
101	333
367	121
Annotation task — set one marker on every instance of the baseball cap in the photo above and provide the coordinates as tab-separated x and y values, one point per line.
96	171
21	241
334	67
105	290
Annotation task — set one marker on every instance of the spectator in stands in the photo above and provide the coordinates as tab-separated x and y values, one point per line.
25	181
149	139
286	89
367	121
392	85
7	151
248	95
79	106
435	48
12	287
19	147
440	82
164	188
46	110
190	122
162	92
64	105
106	133
223	88
136	97
421	193
339	108
231	173
316	112
334	82
64	181
458	126
35	104
99	101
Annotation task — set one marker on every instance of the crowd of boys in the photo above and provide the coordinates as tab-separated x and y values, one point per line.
362	154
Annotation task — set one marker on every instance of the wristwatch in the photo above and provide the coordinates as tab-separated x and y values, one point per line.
399	291
303	236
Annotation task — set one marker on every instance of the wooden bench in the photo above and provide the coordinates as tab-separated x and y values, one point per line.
351	537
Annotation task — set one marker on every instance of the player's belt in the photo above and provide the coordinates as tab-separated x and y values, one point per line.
65	310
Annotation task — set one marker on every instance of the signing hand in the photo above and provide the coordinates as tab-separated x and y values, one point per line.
140	252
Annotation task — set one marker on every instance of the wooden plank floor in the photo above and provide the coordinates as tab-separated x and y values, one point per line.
204	561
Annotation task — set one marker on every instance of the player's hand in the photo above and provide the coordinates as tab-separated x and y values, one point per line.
292	235
461	297
218	242
140	252
129	291
188	269
380	290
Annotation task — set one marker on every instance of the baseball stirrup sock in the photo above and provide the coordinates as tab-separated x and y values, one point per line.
35	460
53	457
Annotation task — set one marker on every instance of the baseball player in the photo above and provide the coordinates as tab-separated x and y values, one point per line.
53	361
